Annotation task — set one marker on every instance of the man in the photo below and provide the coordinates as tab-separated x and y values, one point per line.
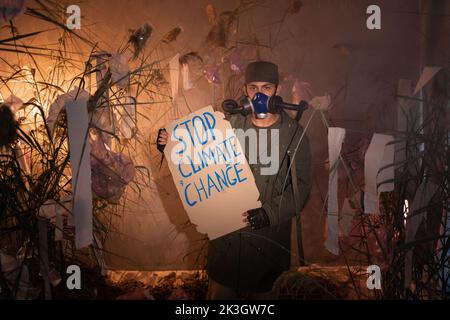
244	264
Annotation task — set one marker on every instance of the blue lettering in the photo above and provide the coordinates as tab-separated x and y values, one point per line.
207	156
224	142
211	184
201	189
181	171
205	132
190	204
234	147
194	169
178	139
219	153
237	172
212	124
221	179
189	131
231	182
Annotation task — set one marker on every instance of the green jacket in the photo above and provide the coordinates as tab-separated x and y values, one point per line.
251	260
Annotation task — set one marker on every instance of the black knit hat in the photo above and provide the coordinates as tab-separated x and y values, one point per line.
262	71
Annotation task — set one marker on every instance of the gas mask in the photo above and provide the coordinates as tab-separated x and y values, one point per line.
261	105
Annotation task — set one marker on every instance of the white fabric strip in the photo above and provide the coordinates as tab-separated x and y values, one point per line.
335	139
78	124
377	156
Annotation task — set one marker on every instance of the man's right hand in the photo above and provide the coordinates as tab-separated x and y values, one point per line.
162	139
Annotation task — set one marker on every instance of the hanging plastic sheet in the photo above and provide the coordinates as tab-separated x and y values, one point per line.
174	70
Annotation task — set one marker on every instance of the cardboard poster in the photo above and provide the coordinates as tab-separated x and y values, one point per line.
209	168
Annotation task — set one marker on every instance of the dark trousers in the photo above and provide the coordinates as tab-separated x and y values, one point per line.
217	291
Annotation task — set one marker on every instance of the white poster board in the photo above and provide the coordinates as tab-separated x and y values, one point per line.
210	171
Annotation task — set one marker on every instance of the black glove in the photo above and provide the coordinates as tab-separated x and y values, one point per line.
159	146
258	218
